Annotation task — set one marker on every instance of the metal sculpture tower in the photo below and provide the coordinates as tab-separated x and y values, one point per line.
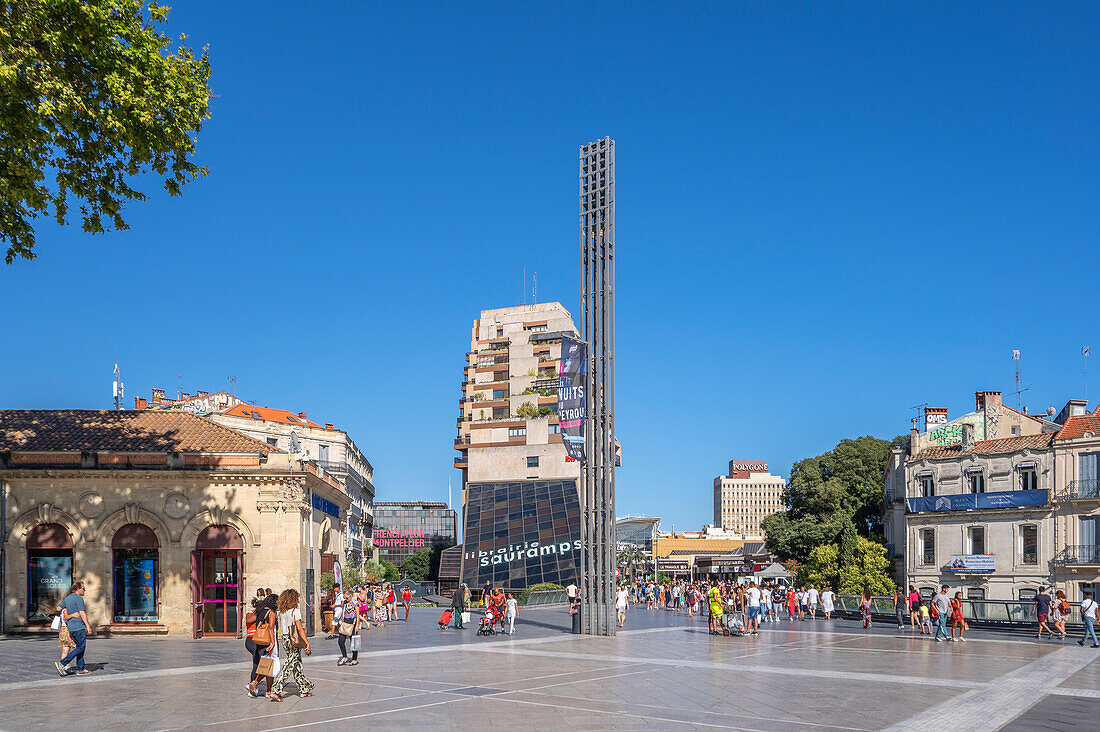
597	240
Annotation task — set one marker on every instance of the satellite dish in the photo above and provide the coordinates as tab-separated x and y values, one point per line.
295	445
1051	411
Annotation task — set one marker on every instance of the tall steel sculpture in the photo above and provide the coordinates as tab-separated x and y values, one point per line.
597	239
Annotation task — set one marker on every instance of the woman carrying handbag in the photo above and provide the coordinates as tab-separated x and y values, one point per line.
349	631
294	642
260	640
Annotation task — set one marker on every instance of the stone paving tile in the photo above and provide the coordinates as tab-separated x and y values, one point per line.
1058	713
665	671
1086	678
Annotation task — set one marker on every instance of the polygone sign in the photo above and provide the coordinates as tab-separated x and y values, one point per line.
748	466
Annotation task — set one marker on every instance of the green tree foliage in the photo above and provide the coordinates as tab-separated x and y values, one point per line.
372	571
866	568
835	505
543	586
389	571
92	94
423	564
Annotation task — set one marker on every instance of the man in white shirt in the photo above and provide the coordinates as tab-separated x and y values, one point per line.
752	599
1088	614
811	602
337	603
571	593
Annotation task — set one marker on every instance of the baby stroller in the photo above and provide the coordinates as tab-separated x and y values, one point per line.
445	619
487	621
732	624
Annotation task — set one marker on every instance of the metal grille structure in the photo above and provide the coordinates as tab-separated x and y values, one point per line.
597	240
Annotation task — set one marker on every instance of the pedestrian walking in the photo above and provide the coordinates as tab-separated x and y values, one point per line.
900	607
458	605
914	606
512	609
1059	613
406	601
1088	615
294	639
827	598
350	624
260	639
1041	610
957	620
925	618
865	608
792	600
941	606
486	593
391	603
752	604
64	637
714	595
621	605
74	617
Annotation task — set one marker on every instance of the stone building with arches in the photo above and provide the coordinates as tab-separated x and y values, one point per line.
171	520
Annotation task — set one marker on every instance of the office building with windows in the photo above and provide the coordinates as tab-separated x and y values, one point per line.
403	528
746	496
519	489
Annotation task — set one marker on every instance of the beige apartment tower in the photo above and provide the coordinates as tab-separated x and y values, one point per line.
746	496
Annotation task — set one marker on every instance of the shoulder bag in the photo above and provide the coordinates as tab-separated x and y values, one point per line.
263	635
297	636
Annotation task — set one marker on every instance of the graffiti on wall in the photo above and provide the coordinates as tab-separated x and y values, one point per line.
952	433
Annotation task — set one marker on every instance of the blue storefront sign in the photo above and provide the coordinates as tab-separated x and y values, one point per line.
974	501
326	506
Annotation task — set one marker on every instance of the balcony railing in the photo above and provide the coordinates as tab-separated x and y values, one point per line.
1079	554
1027	558
1080	489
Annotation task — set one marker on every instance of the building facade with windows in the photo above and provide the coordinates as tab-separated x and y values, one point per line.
403	528
746	496
171	520
519	487
329	448
998	518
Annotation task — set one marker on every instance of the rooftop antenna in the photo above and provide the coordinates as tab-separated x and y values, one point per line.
535	288
232	384
179	391
917	408
1085	351
117	389
1019	391
449	504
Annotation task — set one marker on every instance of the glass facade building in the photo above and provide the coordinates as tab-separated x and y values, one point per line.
640	532
521	533
406	527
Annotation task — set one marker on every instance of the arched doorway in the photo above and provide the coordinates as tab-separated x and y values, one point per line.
49	570
216	568
136	571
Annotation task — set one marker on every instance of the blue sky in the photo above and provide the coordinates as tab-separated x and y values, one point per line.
827	213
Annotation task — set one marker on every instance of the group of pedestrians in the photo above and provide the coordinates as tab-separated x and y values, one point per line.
756	603
375	604
274	624
501	608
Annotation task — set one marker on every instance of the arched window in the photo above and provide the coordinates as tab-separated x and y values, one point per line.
136	554
215	579
49	570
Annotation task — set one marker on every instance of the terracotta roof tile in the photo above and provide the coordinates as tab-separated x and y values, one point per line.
1078	426
282	416
70	430
987	447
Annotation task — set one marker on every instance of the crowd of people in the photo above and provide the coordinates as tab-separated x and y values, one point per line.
500	609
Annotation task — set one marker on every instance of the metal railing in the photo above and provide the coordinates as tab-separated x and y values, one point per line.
1079	554
985	613
1089	488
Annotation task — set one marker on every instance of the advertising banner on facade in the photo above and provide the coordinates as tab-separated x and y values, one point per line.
571	396
139	595
970	501
973	563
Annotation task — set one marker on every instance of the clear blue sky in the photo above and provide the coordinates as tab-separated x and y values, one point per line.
827	213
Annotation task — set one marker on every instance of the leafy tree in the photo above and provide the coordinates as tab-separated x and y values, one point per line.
389	571
423	564
92	94
866	568
372	572
821	568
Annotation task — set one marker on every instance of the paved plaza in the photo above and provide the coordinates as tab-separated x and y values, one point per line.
665	670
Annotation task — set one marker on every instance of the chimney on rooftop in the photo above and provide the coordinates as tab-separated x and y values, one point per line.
986	399
140	403
968	435
302	415
328	426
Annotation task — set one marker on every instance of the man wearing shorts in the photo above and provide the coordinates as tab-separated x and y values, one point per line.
752	600
1042	610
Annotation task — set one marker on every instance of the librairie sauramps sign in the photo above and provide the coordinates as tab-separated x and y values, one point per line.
571	378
